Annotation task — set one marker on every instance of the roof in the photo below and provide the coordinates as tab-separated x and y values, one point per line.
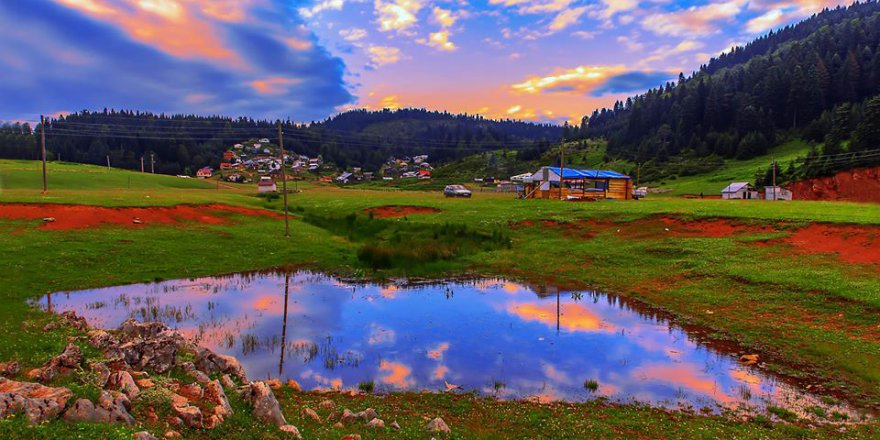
574	173
735	186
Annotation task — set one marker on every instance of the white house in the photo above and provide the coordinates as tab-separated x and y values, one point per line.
264	140
739	190
776	193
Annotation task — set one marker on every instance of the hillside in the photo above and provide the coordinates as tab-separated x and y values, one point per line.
183	143
811	80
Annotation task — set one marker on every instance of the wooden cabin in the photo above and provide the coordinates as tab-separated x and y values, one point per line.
577	184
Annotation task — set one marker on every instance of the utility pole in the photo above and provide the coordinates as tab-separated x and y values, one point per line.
638	173
561	168
43	147
142	164
283	180
152	164
774	179
108	162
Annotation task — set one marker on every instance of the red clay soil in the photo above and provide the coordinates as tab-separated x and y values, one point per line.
392	211
86	216
852	244
654	227
857	185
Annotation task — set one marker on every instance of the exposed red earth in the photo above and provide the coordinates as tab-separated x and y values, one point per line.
856	185
852	244
67	217
392	211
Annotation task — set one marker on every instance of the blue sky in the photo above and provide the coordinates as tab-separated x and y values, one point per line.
542	60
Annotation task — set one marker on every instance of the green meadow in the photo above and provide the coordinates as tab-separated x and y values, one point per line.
811	316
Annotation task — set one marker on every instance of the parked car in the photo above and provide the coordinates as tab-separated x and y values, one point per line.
456	191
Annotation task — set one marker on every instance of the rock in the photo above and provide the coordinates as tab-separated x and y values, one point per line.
227	382
144	435
77	322
38	402
101	371
110	409
376	424
174	421
370	414
348	417
145	384
131	329
438	425
212	421
265	405
191	415
215	395
172	434
395	425
291	430
137	221
327	404
748	359
122	381
351	437
275	384
178	400
69	359
311	414
294	385
103	340
338	425
51	326
209	362
9	368
48	219
140	375
191	391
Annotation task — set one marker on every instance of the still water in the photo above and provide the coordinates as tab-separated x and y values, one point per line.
494	336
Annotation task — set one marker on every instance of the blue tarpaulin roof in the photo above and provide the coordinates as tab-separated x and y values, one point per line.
574	173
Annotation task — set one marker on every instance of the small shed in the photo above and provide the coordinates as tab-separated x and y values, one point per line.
546	183
739	191
777	193
266	185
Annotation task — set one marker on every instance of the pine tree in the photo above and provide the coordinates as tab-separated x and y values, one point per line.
867	135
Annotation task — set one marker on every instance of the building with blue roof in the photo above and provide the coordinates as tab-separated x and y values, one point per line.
578	184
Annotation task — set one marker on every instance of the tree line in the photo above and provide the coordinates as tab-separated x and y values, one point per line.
182	143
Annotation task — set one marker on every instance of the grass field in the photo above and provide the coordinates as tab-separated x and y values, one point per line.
812	316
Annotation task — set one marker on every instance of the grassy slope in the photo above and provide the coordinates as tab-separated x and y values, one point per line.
763	309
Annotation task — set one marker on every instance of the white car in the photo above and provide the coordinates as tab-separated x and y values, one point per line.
456	191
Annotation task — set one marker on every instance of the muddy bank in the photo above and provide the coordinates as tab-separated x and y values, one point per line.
392	211
857	185
66	217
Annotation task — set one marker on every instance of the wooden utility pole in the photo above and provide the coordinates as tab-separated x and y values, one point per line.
561	169
108	162
152	164
774	180
284	324
43	147
283	180
638	173
142	164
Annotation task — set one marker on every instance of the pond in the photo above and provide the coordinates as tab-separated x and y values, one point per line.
494	336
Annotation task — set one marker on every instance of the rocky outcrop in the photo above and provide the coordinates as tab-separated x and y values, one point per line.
112	407
9	368
310	414
266	407
210	362
69	359
214	394
291	430
122	381
38	402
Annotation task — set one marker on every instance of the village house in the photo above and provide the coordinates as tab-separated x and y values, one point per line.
204	172
739	191
777	193
573	184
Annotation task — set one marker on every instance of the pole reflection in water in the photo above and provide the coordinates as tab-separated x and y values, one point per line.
284	325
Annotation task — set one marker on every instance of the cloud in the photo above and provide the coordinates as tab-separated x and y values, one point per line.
535	6
769	20
352	35
444	17
567	18
581	79
440	40
631	43
614	6
335	5
398	16
632	82
383	55
104	55
584	35
695	20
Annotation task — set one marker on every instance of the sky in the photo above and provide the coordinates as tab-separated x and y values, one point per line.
535	60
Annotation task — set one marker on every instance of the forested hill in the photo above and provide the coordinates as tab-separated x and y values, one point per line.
812	80
181	143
